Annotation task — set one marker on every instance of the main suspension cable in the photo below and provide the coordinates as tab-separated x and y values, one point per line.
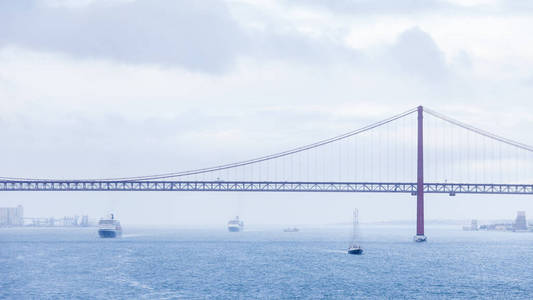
237	164
480	131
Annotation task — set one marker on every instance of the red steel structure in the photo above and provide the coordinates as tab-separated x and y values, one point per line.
420	179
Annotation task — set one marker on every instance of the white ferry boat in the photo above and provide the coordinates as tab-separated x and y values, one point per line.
109	227
235	225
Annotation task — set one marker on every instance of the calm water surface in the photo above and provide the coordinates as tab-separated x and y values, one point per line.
264	263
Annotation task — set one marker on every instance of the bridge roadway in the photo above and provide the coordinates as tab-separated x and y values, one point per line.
263	186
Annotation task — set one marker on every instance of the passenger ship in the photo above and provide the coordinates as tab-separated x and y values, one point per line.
235	225
109	227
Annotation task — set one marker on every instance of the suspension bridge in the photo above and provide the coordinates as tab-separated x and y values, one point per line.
418	151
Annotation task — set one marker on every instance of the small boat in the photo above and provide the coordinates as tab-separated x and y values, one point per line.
294	229
235	225
420	238
354	247
109	227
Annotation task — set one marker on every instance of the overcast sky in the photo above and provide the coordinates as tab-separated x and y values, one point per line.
123	88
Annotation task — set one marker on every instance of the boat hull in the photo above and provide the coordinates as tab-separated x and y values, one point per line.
419	238
355	251
234	229
106	233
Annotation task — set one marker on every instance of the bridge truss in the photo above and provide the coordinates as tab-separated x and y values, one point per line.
266	186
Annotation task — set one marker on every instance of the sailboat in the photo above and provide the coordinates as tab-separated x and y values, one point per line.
354	247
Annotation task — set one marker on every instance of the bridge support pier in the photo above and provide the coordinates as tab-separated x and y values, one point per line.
420	237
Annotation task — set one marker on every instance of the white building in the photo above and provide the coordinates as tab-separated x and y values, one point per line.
520	222
12	216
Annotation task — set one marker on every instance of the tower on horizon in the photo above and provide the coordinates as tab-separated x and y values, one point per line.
520	222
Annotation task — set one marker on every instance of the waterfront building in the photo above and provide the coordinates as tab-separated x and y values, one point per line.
473	226
12	216
520	221
84	221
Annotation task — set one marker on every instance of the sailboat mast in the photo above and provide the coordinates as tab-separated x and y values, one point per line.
355	222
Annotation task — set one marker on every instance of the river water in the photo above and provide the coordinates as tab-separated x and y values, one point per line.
264	263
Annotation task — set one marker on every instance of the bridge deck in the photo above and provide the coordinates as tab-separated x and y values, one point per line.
266	186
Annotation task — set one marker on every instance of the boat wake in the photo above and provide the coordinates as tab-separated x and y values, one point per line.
336	251
125	236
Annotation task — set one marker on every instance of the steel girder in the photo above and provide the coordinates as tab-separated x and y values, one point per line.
264	186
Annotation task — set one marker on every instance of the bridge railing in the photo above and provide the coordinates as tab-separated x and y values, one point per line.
267	186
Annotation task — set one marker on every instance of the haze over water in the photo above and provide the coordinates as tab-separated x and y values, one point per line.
102	89
52	263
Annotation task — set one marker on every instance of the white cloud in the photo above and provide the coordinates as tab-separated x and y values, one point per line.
197	35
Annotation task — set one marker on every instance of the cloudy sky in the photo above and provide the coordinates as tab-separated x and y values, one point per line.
121	88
